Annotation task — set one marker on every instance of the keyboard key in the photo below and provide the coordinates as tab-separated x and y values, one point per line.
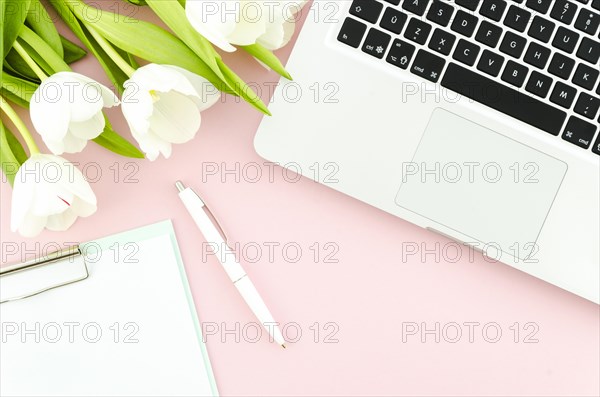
589	50
393	20
440	13
586	76
563	95
587	105
538	84
561	66
394	2
537	55
468	4
464	23
517	18
587	21
565	39
563	11
415	6
514	73
428	66
541	29
400	53
442	41
376	43
368	10
596	145
540	6
493	9
513	44
579	132
466	52
417	31
352	32
596	4
490	63
488	34
498	96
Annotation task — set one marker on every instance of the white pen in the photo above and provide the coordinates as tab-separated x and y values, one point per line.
234	270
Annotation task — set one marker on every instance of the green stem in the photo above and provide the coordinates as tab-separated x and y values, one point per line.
29	61
21	127
110	51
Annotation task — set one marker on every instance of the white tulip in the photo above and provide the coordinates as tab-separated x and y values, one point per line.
162	105
49	192
66	110
244	22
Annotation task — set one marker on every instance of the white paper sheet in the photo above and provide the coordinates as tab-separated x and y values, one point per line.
129	329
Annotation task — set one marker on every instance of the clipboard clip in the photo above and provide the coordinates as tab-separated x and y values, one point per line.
67	254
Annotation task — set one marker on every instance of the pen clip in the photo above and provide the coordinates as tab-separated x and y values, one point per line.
216	222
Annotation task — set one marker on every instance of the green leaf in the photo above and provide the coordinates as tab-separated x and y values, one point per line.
244	91
173	14
268	58
128	57
18	66
137	2
39	59
72	52
17	87
12	154
116	75
114	142
43	51
41	23
13	14
13	98
142	39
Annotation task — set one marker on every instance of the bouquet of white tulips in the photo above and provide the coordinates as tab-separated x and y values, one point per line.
162	101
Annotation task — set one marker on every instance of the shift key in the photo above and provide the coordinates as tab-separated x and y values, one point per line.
428	66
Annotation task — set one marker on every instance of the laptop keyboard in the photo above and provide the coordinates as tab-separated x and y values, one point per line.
534	60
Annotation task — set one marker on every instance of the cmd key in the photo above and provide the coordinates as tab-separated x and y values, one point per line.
579	132
428	66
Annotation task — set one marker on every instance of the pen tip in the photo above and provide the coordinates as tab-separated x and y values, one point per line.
180	186
283	345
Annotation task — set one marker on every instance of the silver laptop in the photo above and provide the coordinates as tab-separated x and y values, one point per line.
475	119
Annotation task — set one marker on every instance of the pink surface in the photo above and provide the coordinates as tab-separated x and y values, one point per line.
364	298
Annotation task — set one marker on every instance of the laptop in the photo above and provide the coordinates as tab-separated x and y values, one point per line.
478	120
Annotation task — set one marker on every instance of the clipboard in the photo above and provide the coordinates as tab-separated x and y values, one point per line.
110	283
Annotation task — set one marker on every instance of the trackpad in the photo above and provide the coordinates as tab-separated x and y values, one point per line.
480	183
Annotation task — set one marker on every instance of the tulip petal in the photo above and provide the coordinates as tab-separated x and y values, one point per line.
137	108
278	35
206	93
85	100
252	23
22	194
176	118
109	98
88	129
32	225
213	20
50	199
62	221
152	77
83	208
152	146
49	116
73	144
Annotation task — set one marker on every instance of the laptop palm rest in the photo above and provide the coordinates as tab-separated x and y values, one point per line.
481	184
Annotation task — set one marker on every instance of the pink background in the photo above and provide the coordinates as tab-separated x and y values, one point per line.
368	294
